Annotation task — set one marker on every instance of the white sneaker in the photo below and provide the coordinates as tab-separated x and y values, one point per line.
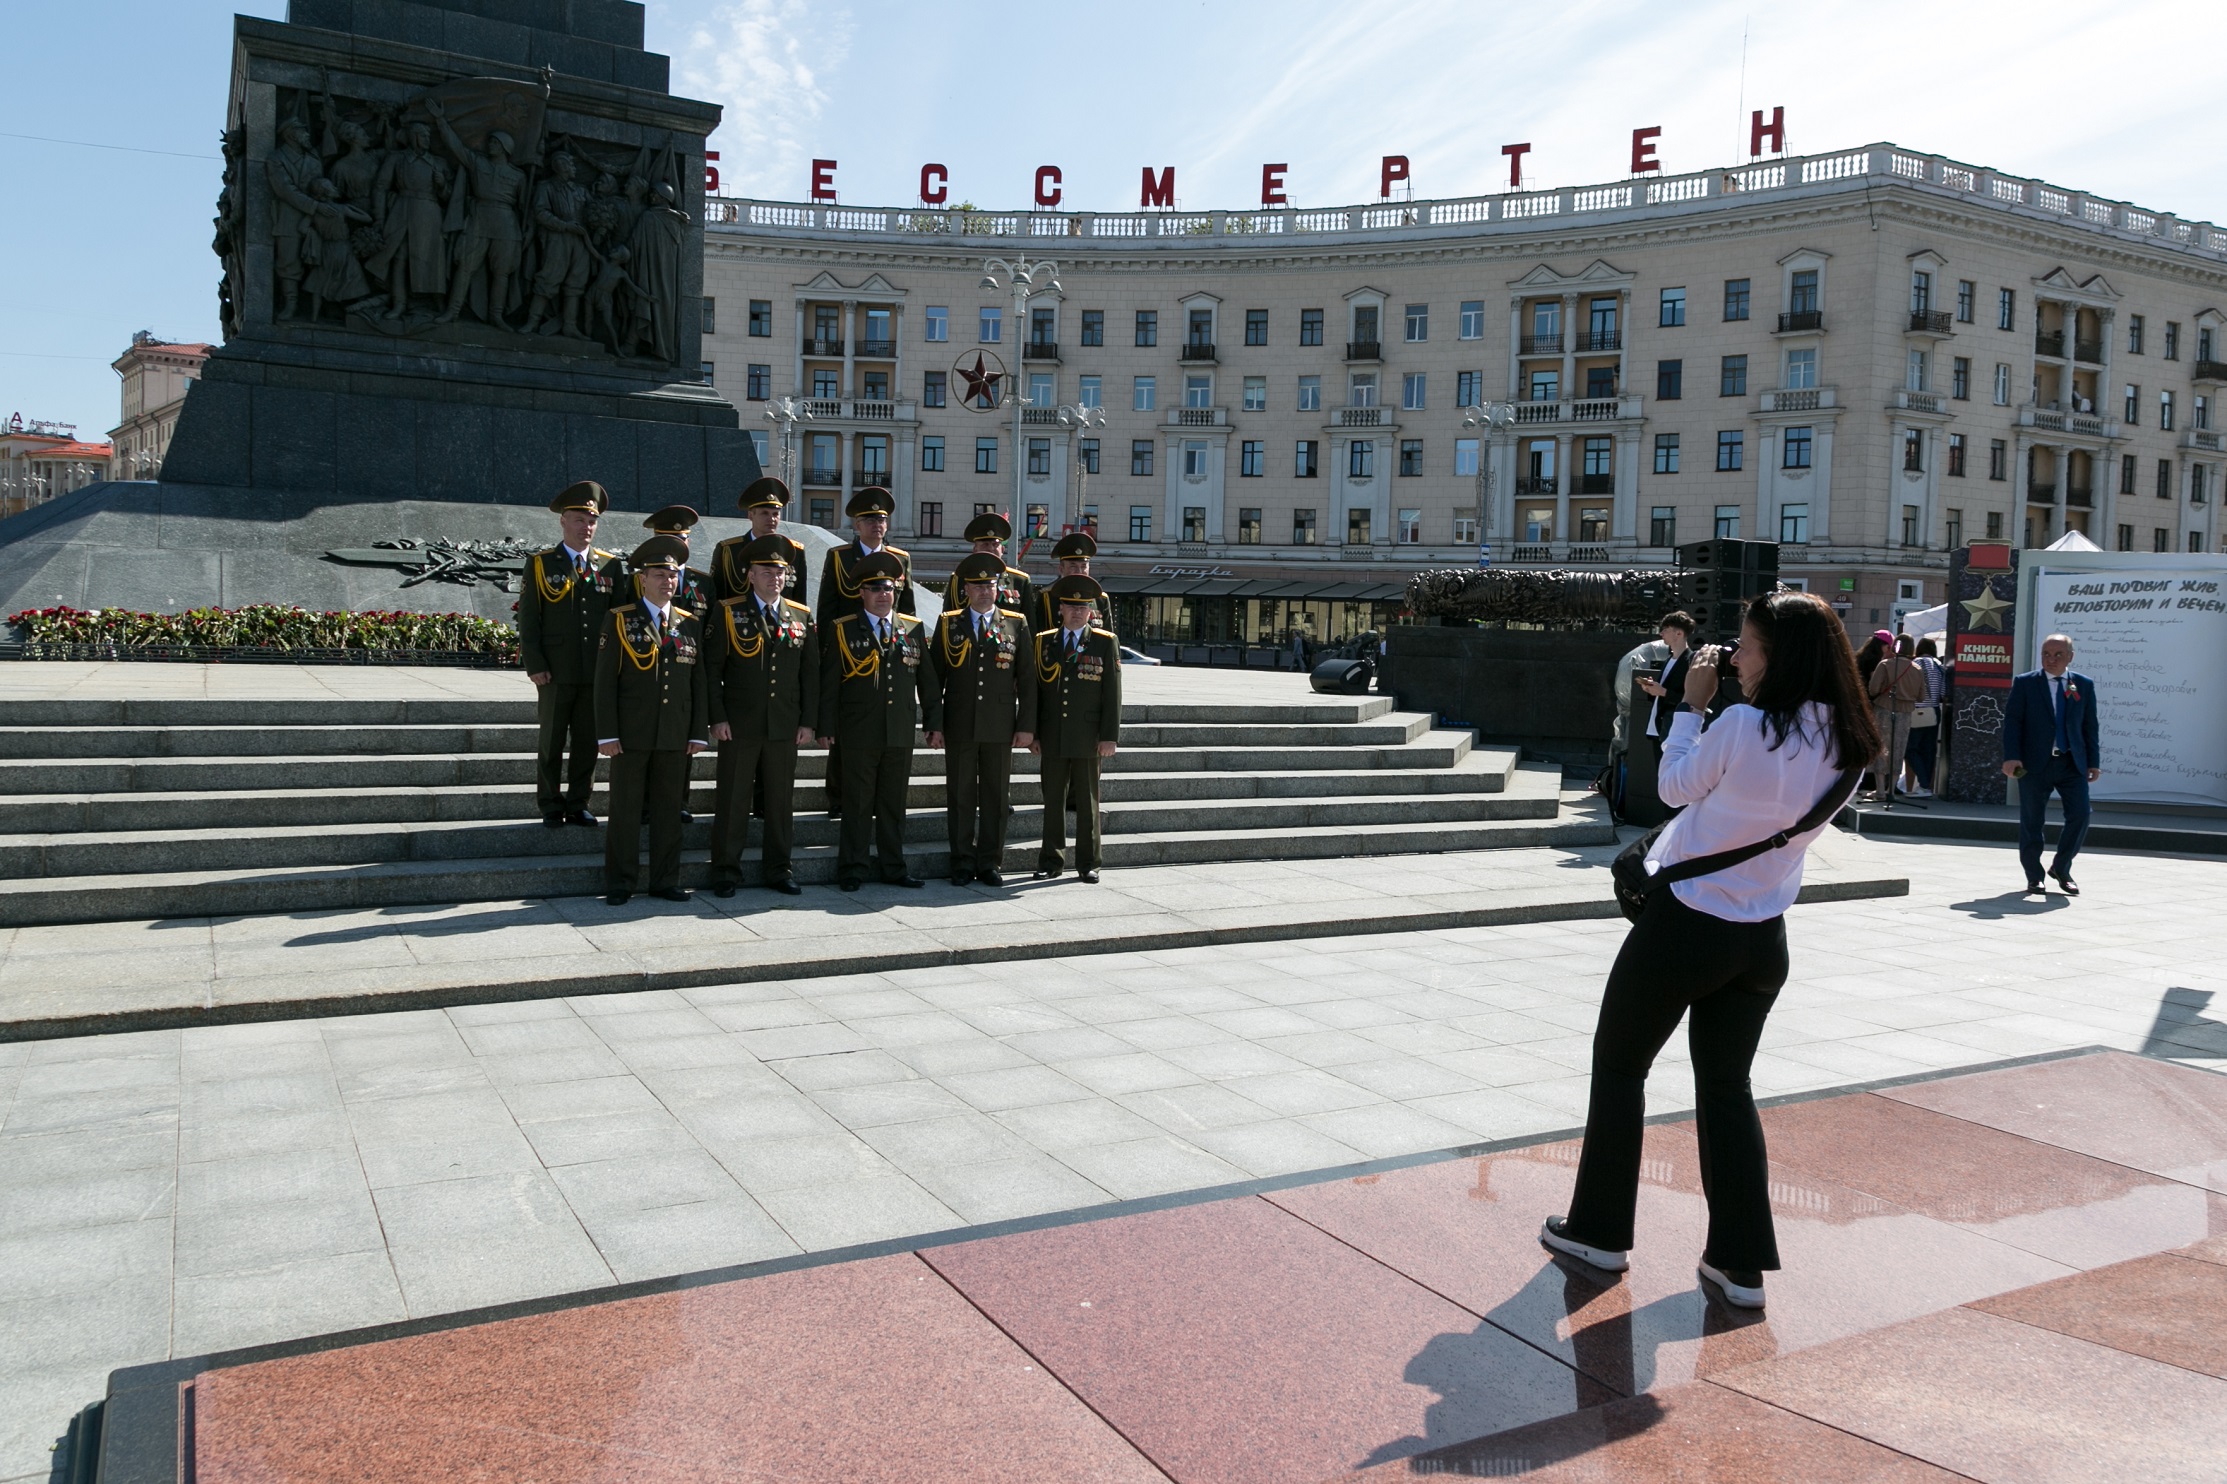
1550	1237
1738	1295
1921	793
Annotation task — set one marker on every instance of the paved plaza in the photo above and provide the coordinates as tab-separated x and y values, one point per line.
181	1191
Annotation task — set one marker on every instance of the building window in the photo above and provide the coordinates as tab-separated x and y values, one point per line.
1411	458
1966	293
1465	525
1472	319
1673	308
1039	521
985	455
874	386
1360	459
1140	523
1410	529
2161	539
1921	291
1662	526
1731	451
2172	340
936	322
1469	388
1412	391
1546	386
992	324
1465	458
1094	327
1194	523
1310	394
1302	528
1418	322
931	515
1087	455
1802	292
1148	327
1732	377
1728	523
1670	380
2133	405
1194	460
1956	458
1801	370
1248	525
2126	537
2002	384
761	445
1256	327
931	454
1794	447
932	387
2200	414
1303	463
1955	524
1090	391
1361	389
2165	412
2197	480
1998	459
1310	327
1201	330
1600	382
1256	394
1735	298
760	383
1994	525
1357	526
1198	392
1143	394
1666	455
826	385
2006	309
2130	470
1252	459
1140	456
2165	479
1960	378
1039	389
1040	458
2134	334
1917	373
1794	525
1913	450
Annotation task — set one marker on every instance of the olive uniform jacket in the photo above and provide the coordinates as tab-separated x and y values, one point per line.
730	574
1078	701
874	694
764	679
839	589
651	693
1016	594
560	615
988	694
1047	611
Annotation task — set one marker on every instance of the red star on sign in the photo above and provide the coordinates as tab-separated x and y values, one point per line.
981	381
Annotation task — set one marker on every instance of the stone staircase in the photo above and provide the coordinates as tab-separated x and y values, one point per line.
118	810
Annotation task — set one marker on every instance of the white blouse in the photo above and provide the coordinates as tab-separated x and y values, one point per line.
1737	791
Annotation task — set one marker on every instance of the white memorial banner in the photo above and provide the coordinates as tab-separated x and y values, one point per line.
2155	644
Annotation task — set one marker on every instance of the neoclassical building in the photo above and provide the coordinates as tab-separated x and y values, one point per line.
1871	356
155	376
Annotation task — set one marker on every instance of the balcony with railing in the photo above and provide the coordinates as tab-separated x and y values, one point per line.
1040	350
2210	371
2042	493
2049	343
1532	484
1905	400
1596	484
1938	323
2090	351
828	477
1804	399
1360	417
1197	350
1597	342
1538	551
1801	321
1201	417
1540	345
1039	417
2057	420
1364	350
1581	410
2200	440
2080	496
1592	552
824	349
880	350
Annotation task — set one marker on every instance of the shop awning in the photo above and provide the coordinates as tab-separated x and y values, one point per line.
1128	584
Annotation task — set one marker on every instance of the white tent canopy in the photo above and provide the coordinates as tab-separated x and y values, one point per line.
2072	541
1927	622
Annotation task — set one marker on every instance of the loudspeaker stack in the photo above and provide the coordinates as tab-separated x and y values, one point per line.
1717	580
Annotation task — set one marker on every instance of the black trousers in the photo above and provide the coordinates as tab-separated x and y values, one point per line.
2060	775
747	770
835	778
645	785
1727	974
566	714
978	779
874	782
1074	779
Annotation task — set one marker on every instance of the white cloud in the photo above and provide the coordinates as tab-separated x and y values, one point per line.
767	63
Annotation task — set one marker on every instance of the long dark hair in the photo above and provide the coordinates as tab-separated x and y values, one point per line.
1806	658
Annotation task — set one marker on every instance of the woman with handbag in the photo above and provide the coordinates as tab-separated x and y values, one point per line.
1925	722
1707	894
1897	687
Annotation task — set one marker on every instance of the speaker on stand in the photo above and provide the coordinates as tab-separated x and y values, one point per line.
1717	579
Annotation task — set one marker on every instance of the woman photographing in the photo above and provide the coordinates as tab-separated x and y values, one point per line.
1714	944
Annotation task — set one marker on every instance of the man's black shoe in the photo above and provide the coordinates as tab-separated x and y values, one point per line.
851	885
2034	887
786	887
553	821
906	881
686	817
618	898
962	878
1090	875
674	894
722	892
991	877
579	816
2070	890
1047	873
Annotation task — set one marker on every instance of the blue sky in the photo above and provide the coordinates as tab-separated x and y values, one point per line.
2114	100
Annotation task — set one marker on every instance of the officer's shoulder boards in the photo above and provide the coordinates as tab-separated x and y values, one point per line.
845	621
1043	634
731	602
905	621
599	551
680	612
1010	613
1015	572
1109	633
799	607
898	552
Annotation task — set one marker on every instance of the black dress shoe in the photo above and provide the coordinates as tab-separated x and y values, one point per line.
686	817
722	892
618	898
991	877
674	894
553	821
852	885
909	881
786	887
1090	875
2034	887
579	816
2065	884
962	878
1047	873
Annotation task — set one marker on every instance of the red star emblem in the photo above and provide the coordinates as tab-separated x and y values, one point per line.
982	382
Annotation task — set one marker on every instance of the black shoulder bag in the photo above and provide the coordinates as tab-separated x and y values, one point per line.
1634	881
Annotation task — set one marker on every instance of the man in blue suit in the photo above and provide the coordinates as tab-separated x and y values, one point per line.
2049	742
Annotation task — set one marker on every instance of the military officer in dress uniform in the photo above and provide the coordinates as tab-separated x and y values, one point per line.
980	653
560	618
875	682
693	593
869	511
762	662
763	500
989	532
1073	553
651	716
1078	721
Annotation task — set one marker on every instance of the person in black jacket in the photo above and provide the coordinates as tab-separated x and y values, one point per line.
651	717
762	659
1677	632
560	617
763	500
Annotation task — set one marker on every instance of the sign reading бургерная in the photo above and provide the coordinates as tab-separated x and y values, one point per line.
2153	644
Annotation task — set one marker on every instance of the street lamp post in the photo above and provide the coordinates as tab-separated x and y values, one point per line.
1027	277
785	413
1490	418
1078	419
